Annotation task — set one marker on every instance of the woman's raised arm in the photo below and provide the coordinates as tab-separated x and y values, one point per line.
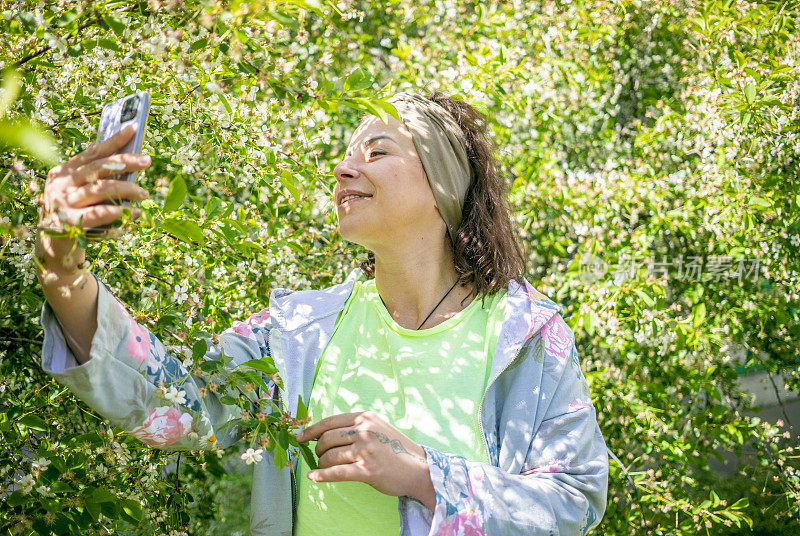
92	344
69	197
132	380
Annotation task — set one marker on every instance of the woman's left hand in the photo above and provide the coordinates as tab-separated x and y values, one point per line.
363	447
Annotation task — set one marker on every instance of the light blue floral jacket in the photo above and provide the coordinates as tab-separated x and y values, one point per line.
549	466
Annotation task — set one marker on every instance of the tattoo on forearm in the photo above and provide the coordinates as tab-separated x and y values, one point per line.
395	444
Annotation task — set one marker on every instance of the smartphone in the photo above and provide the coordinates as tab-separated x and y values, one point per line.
130	110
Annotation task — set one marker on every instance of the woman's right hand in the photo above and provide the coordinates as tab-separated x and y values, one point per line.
71	191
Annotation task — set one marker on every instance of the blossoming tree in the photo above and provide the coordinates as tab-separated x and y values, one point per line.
653	149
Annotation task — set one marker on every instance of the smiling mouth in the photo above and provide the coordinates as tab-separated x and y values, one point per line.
351	198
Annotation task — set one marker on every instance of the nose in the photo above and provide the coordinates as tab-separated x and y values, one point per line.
346	169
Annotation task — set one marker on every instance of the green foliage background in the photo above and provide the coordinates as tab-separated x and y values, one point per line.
631	130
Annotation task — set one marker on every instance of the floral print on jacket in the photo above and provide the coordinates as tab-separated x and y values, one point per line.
163	426
548	470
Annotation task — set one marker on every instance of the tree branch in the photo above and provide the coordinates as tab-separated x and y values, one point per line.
46	48
95	19
780	401
74	116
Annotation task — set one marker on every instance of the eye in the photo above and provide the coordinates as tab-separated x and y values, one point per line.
375	152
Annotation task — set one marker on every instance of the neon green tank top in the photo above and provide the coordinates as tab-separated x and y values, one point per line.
428	384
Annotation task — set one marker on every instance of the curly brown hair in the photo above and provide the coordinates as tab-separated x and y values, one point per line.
486	251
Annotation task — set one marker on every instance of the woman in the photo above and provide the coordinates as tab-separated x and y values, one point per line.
446	392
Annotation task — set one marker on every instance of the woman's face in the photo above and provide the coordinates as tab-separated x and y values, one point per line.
394	202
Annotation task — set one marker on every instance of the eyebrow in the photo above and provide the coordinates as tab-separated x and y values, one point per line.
376	138
379	137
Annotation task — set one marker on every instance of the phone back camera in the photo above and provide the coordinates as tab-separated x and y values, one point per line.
129	109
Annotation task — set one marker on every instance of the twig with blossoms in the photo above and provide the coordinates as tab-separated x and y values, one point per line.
96	18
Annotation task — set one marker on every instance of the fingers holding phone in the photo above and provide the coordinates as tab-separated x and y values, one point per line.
106	146
79	190
111	165
94	188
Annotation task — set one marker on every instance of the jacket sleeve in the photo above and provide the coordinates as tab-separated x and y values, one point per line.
131	380
562	487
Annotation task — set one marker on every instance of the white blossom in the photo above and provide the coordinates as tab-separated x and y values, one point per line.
27	483
41	464
252	456
173	395
181	293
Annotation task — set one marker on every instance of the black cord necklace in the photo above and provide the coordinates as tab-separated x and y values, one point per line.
432	310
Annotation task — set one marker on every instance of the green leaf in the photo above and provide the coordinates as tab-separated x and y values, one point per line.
227	105
210	365
22	134
101	495
310	5
302	411
61	487
116	25
253	377
369	106
309	457
357	80
280	457
186	231
66	18
283	438
648	300
199	349
265	365
240	36
93	508
388	107
253	245
132	509
17	499
744	502
769	102
197	45
175	195
33	422
28	21
297	247
698	315
237	225
750	93
752	72
10	91
288	180
760	203
89	438
108	44
214	207
402	50
741	61
590	322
